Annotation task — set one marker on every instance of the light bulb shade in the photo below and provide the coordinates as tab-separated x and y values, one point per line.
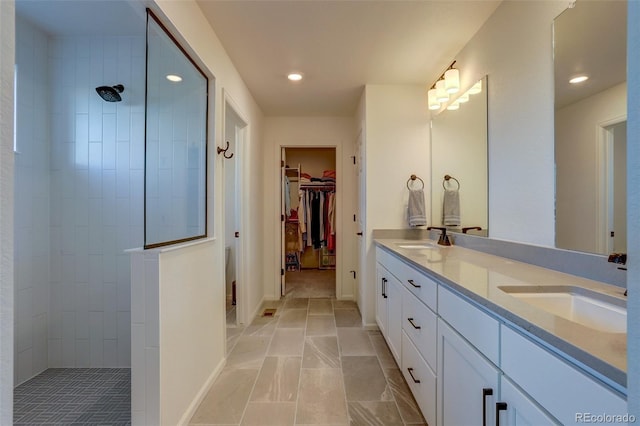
476	88
463	98
452	80
433	101
454	106
441	93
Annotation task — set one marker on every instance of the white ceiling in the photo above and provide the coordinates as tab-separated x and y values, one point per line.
340	46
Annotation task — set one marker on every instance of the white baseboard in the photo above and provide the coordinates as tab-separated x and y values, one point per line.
256	312
191	410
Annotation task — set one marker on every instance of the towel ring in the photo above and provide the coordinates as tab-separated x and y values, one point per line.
413	178
447	178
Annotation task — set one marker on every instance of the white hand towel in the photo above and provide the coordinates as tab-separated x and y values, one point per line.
451	208
417	216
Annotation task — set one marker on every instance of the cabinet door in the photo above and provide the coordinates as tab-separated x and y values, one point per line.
520	409
381	298
463	375
394	316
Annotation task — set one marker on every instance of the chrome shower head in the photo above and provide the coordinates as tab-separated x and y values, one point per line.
110	94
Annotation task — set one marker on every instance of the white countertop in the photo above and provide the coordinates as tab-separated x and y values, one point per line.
478	276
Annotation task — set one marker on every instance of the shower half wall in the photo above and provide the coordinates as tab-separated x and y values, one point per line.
79	198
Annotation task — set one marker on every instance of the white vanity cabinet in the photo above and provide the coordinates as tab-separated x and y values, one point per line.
518	409
382	278
567	394
468	366
468	355
389	308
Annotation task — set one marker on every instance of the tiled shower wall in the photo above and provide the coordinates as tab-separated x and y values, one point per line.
79	199
97	173
31	229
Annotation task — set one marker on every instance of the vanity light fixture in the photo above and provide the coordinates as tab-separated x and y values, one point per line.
579	79
454	105
295	76
441	93
447	84
476	88
174	78
463	98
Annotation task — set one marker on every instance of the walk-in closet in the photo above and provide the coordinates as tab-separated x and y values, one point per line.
309	212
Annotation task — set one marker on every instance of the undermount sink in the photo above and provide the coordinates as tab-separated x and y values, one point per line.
594	310
418	246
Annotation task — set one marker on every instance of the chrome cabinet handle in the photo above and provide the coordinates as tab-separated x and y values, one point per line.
417	327
414	284
410	370
485	392
500	406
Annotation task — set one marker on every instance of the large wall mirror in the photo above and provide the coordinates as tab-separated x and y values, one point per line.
590	126
459	183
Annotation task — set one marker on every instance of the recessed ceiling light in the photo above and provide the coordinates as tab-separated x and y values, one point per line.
174	78
295	76
579	79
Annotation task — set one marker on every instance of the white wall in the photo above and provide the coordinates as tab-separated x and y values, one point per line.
578	154
396	146
31	203
176	353
188	24
7	60
633	211
514	48
335	132
97	180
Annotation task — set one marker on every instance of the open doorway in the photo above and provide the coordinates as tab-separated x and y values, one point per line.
234	134
614	200
308	222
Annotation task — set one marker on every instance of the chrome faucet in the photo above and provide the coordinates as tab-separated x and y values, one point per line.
444	238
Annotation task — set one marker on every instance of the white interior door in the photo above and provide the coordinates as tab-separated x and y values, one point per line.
283	162
360	209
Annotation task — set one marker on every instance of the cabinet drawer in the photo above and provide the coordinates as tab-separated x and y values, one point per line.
570	393
423	287
420	324
417	282
421	379
481	330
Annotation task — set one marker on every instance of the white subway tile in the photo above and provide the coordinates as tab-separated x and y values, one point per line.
96	296
109	266
55	353
82	140
123	122
124	339
110	347
83	353
152	385
109	141
110	324
24	363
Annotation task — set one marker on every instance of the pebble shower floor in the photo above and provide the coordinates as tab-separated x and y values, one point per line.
75	396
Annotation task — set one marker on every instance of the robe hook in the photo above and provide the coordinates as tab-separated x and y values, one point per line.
224	151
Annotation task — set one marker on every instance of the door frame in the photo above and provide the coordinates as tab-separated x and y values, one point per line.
604	156
341	245
242	136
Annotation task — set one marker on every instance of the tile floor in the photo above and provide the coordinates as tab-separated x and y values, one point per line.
312	364
74	396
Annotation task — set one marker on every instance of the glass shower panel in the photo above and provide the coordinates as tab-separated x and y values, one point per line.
176	142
